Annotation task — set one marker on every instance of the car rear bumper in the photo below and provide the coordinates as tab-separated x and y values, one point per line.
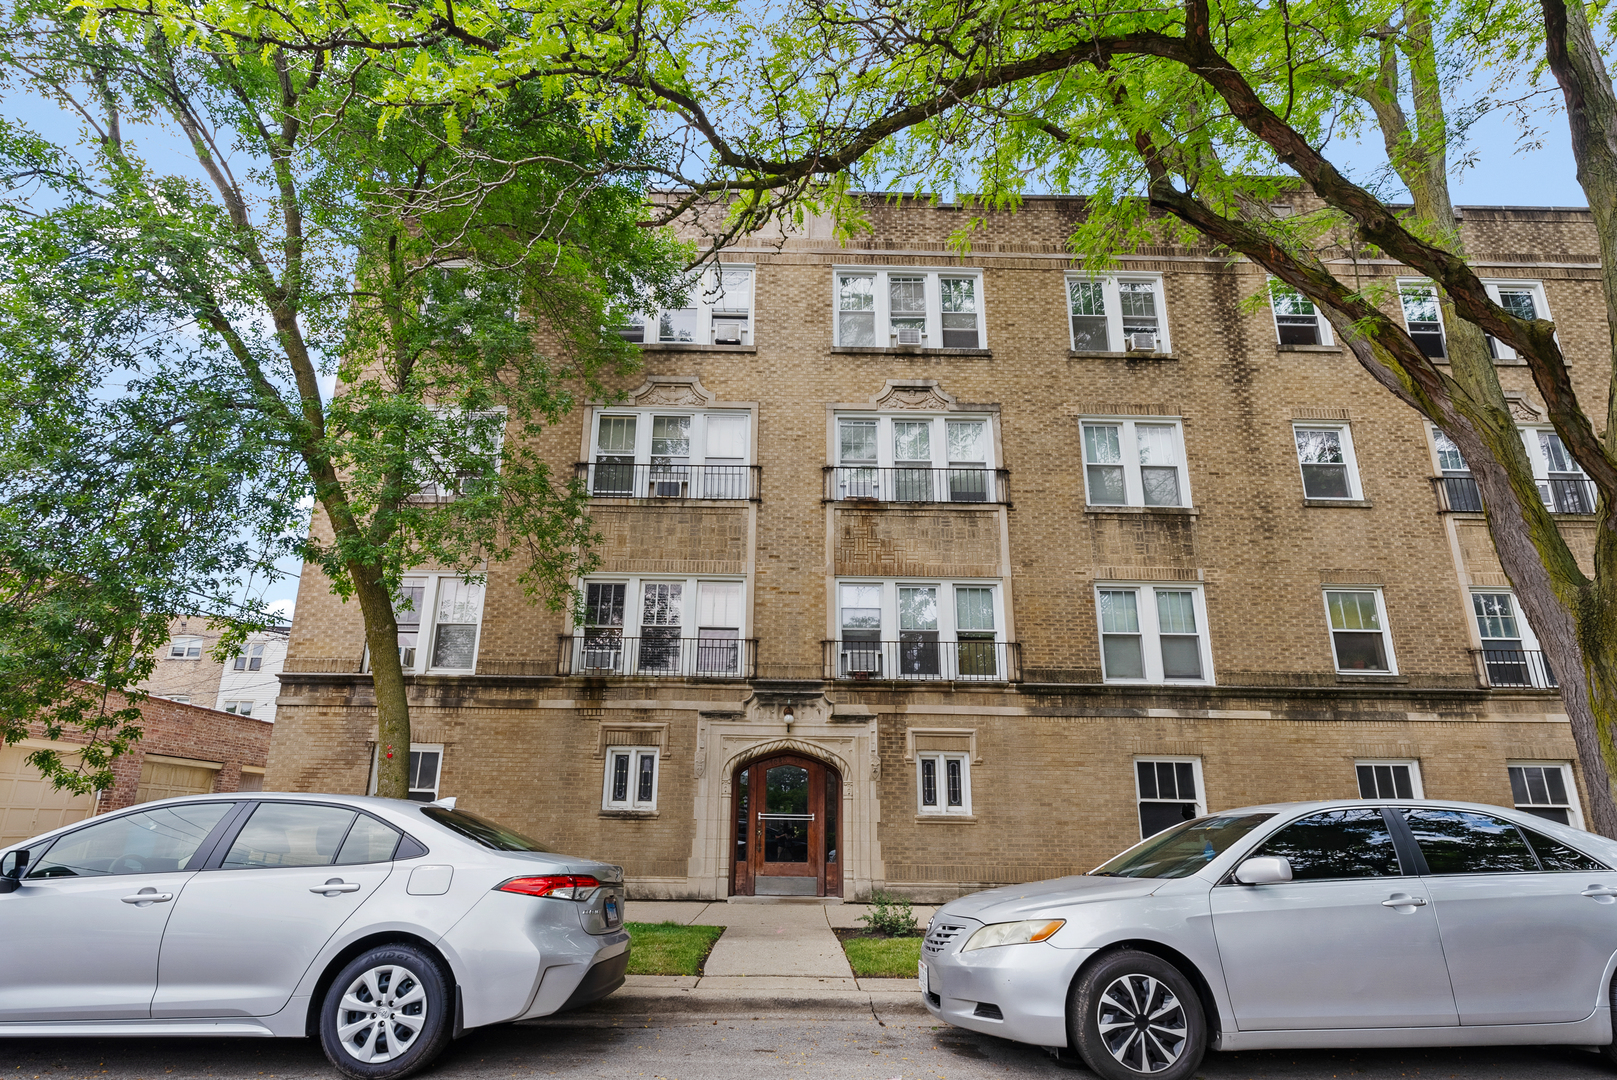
1025	984
570	981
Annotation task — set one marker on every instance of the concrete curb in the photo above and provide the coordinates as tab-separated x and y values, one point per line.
648	1002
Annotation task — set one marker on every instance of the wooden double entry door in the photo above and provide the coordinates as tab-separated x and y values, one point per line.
787	828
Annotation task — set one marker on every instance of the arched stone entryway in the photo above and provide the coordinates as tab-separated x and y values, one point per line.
786	825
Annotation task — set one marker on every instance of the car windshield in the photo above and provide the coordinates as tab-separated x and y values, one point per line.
1183	849
481	829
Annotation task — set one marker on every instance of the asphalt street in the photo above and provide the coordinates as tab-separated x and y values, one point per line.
691	1048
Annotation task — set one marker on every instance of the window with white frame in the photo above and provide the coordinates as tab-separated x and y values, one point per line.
1523	299
1297	320
181	699
662	626
1153	633
1388	779
251	658
943	782
439	617
1359	636
1545	789
479	438
1562	483
1325	456
1460	490
1510	650
185	648
920	630
239	708
914	458
1135	462
1169	791
424	767
1117	314
718	311
631	779
1423	317
670	454
904	306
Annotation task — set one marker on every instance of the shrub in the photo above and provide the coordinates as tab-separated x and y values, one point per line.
889	916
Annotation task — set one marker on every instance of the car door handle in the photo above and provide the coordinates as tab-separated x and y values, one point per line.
1599	891
335	886
1404	901
148	896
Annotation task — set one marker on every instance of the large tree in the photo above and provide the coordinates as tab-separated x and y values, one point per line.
230	228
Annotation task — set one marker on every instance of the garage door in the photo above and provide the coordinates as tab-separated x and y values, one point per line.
166	779
28	804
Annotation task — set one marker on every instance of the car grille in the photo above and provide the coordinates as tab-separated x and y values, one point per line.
941	936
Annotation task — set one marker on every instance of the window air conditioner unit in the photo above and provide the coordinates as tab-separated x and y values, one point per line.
861	489
727	332
862	663
909	335
1141	342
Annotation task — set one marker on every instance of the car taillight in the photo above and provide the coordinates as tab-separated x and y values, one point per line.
561	886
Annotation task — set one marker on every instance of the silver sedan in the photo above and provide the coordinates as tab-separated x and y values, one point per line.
383	927
1329	924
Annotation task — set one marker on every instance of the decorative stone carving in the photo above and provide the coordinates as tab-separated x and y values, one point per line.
701	749
671	390
1521	408
919	394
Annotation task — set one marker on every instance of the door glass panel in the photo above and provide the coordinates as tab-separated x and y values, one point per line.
743	817
1338	844
833	796
289	834
1461	842
153	842
786	840
368	841
1556	856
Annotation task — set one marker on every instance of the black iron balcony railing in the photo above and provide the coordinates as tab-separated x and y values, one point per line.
1459	494
916	484
1514	668
707	656
614	480
925	658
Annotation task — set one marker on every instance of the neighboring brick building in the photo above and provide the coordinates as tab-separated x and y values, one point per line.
184	750
246	684
989	567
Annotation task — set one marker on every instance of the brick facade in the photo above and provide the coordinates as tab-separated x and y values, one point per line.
1052	783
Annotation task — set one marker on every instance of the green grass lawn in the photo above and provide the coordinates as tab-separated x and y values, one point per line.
668	948
883	958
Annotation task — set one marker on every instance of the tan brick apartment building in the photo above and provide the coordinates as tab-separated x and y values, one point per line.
932	572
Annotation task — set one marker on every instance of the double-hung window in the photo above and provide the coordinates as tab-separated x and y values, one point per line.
1388	779
1523	299
920	630
1510	652
424	767
661	626
1117	314
943	782
1359	636
1562	483
1459	487
883	308
1545	789
1153	633
914	458
1297	320
670	454
1129	462
1423	317
185	648
631	779
1169	792
251	658
718	311
1325	455
439	617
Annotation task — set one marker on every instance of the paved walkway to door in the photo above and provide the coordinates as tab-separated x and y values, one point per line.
787	943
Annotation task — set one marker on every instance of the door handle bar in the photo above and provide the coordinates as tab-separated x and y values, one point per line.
784	817
1404	901
335	886
1599	890
149	898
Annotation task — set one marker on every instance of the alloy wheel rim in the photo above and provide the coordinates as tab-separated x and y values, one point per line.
381	1014
1142	1023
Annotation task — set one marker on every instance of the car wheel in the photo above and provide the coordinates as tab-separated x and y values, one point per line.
1132	1014
386	1014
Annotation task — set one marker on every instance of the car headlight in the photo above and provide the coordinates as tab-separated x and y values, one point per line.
1013	933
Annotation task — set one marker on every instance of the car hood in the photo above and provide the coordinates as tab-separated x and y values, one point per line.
1013	902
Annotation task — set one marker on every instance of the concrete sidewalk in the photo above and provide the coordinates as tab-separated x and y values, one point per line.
775	959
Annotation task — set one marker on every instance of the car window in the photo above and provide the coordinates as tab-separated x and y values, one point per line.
289	834
156	841
488	833
368	841
1465	842
1554	855
1336	844
1183	849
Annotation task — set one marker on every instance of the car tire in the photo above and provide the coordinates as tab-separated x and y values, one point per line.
1119	989
387	1014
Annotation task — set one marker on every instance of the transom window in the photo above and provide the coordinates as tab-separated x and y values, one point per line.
901	306
1325	456
1359	636
1389	779
718	311
1119	314
914	458
439	617
944	782
1545	789
1130	462
679	626
1168	792
1523	299
1423	317
1153	633
1297	320
671	454
631	779
920	630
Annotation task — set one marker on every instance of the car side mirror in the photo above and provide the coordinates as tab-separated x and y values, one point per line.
11	870
1263	870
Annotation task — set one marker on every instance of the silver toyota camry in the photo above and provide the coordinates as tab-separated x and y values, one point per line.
1327	924
386	928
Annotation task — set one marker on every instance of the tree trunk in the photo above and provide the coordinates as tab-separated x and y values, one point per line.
387	679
